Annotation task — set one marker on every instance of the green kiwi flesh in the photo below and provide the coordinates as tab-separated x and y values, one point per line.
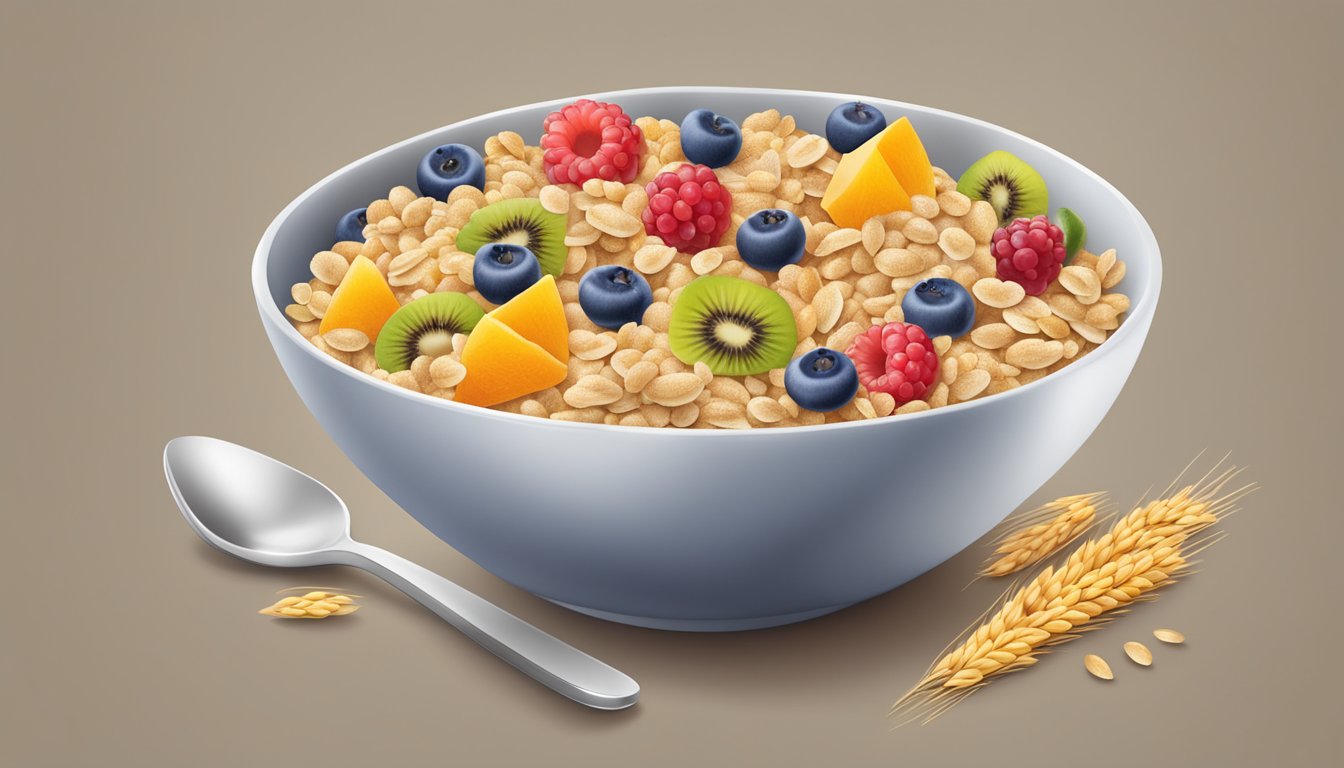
1004	180
519	221
426	326
1075	233
736	327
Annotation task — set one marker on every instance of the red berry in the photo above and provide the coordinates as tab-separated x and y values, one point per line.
1029	252
895	358
687	208
590	140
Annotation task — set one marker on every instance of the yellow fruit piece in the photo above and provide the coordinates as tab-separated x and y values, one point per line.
362	301
502	365
909	163
538	314
863	186
906	156
520	348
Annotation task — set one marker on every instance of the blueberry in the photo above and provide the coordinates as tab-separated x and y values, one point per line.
710	139
449	166
771	239
503	271
940	306
351	225
853	123
612	296
821	380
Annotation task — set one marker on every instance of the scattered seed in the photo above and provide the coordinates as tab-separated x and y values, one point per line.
1098	667
1169	636
1139	653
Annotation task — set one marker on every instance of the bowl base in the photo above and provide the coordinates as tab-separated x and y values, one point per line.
704	625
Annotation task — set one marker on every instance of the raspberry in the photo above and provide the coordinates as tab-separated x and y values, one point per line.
1029	252
896	358
687	208
590	140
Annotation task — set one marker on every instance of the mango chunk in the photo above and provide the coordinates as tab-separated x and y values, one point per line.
362	301
539	315
863	186
909	163
520	348
502	365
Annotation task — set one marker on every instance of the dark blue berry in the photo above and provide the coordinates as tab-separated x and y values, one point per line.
502	271
852	123
447	167
940	306
351	226
612	296
771	239
710	139
821	380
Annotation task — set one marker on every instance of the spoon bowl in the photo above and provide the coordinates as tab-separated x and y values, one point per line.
251	505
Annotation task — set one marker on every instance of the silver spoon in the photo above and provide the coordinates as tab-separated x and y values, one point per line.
253	507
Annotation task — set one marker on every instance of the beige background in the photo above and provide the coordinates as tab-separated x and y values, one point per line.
146	149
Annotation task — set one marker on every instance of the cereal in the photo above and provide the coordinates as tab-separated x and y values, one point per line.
674	389
1082	282
806	151
835	241
1034	354
613	220
957	243
920	230
593	390
997	293
848	279
898	262
329	267
970	384
554	199
299	313
346	339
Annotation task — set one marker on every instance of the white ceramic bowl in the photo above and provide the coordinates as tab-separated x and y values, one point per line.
704	529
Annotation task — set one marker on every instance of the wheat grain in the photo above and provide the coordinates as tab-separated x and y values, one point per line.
1139	653
1098	667
1041	532
1142	552
1169	636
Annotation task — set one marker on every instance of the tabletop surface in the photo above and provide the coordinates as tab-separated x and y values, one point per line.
147	147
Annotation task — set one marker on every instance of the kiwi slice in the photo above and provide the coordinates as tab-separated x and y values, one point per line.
424	327
1014	188
519	221
1075	233
735	326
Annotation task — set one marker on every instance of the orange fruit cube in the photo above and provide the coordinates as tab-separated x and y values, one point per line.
362	301
539	315
863	186
909	163
520	348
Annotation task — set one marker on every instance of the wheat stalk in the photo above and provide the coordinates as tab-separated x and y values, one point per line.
1143	551
1039	533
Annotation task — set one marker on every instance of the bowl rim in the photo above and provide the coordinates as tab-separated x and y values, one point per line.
272	315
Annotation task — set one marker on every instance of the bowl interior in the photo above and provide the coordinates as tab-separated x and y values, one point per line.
953	142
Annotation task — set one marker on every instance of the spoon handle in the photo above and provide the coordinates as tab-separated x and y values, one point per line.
547	659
